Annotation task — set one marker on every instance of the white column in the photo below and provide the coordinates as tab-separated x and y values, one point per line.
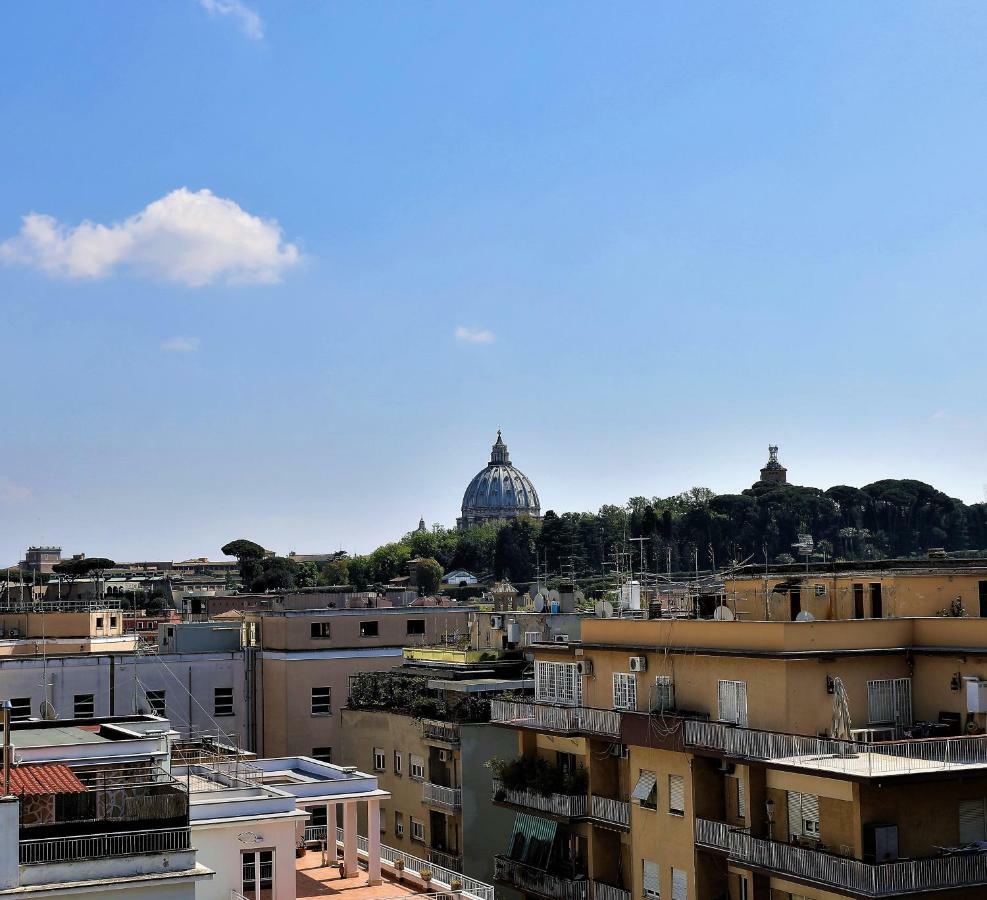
332	849
373	840
349	838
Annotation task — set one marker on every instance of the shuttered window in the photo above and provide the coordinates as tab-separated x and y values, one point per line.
676	795
624	691
732	702
680	884
416	766
803	815
558	683
972	821
652	886
741	798
889	701
646	789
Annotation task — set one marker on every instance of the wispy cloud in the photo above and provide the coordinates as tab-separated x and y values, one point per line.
11	493
467	335
251	24
192	237
181	345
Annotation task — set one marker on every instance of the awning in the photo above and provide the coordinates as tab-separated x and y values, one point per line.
532	840
645	785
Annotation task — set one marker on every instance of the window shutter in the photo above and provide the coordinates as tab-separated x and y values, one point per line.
972	820
810	808
680	884
541	681
727	702
676	793
741	687
902	693
645	785
741	798
664	693
652	886
795	813
880	706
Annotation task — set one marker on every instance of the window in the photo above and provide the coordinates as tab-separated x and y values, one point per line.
113	621
676	795
652	885
321	631
820	590
322	754
876	603
321	701
889	701
380	760
664	694
533	637
84	706
858	601
744	888
624	691
741	798
156	702
383	821
732	702
257	868
20	709
369	629
222	701
982	597
646	790
417	830
398	824
99	621
398	762
416	626
317	817
558	683
972	821
803	815
680	884
416	765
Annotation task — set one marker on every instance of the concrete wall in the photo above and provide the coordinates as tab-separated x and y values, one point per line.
219	846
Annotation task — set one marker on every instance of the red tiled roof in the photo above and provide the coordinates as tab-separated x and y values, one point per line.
51	778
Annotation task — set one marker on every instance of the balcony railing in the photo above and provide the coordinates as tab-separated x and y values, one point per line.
885	880
535	881
439	795
445	732
99	846
562	719
602	891
616	812
571	806
843	757
447	860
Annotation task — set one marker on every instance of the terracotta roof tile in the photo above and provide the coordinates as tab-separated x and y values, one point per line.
51	778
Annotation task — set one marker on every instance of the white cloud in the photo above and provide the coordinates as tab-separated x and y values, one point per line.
249	21
474	335
192	237
181	345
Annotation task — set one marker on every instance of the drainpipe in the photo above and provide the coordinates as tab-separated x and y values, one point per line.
6	706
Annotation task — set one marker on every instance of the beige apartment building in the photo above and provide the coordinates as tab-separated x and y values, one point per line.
752	759
299	664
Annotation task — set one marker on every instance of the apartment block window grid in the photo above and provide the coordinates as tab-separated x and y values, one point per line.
222	704
889	701
624	691
558	683
321	701
83	706
731	699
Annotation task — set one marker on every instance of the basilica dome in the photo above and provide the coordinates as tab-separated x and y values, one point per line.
499	491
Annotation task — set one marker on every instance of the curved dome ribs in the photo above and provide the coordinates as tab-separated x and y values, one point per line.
500	491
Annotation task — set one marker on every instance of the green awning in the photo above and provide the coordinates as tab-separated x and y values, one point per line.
532	840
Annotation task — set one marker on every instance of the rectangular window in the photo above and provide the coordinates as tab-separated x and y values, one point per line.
531	637
380	760
20	709
889	701
156	702
820	590
370	629
982	597
417	830
222	701
664	694
858	601
84	706
743	888
416	766
257	869
317	817
321	631
99	621
322	754
416	626
383	821
398	824
321	701
741	798
649	876
803	815
558	683
972	821
398	762
624	691
680	884
732	702
113	621
646	790
876	603
676	795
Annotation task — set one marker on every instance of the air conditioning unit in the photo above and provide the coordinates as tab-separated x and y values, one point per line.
638	664
584	667
497	622
561	639
443	756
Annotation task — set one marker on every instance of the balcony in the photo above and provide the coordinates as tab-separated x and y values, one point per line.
602	891
536	881
441	733
827	870
43	851
828	756
565	806
444	797
559	719
446	860
613	812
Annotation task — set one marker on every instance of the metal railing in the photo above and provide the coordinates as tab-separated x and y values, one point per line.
602	891
439	795
446	732
537	881
451	861
567	805
615	811
472	889
564	719
36	852
851	757
885	880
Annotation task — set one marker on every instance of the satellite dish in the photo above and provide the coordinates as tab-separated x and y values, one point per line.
554	595
604	609
539	603
723	614
48	711
805	616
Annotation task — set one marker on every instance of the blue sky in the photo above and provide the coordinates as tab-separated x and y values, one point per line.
645	240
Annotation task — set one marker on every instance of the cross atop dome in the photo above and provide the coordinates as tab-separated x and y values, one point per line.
498	453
